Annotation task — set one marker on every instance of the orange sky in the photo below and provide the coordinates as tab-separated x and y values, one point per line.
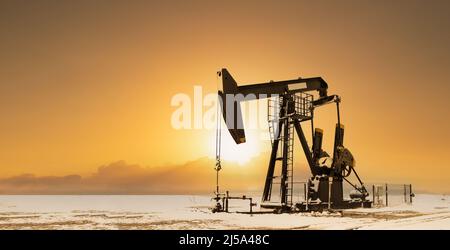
87	83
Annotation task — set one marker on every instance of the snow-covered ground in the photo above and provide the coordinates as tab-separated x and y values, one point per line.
192	212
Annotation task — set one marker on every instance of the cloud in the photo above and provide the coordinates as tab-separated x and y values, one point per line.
193	177
31	184
119	177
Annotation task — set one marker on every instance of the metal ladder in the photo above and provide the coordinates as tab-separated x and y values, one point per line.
274	107
290	162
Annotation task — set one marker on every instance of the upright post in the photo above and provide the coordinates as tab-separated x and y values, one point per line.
404	193
307	194
222	209
304	193
373	194
226	202
410	193
386	187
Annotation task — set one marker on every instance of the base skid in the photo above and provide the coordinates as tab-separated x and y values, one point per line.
317	206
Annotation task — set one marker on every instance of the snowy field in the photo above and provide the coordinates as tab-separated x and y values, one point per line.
192	212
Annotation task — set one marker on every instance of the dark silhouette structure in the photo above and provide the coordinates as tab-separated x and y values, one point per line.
290	105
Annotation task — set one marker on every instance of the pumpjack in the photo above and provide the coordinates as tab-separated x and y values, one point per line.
290	105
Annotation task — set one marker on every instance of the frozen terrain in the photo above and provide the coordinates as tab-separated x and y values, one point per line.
192	212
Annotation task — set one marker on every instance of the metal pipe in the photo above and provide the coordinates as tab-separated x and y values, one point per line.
338	130
330	182
218	146
217	181
351	184
338	114
312	124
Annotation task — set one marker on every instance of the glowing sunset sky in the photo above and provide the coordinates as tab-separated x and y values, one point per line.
86	83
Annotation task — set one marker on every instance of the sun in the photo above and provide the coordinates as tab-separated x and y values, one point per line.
239	153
